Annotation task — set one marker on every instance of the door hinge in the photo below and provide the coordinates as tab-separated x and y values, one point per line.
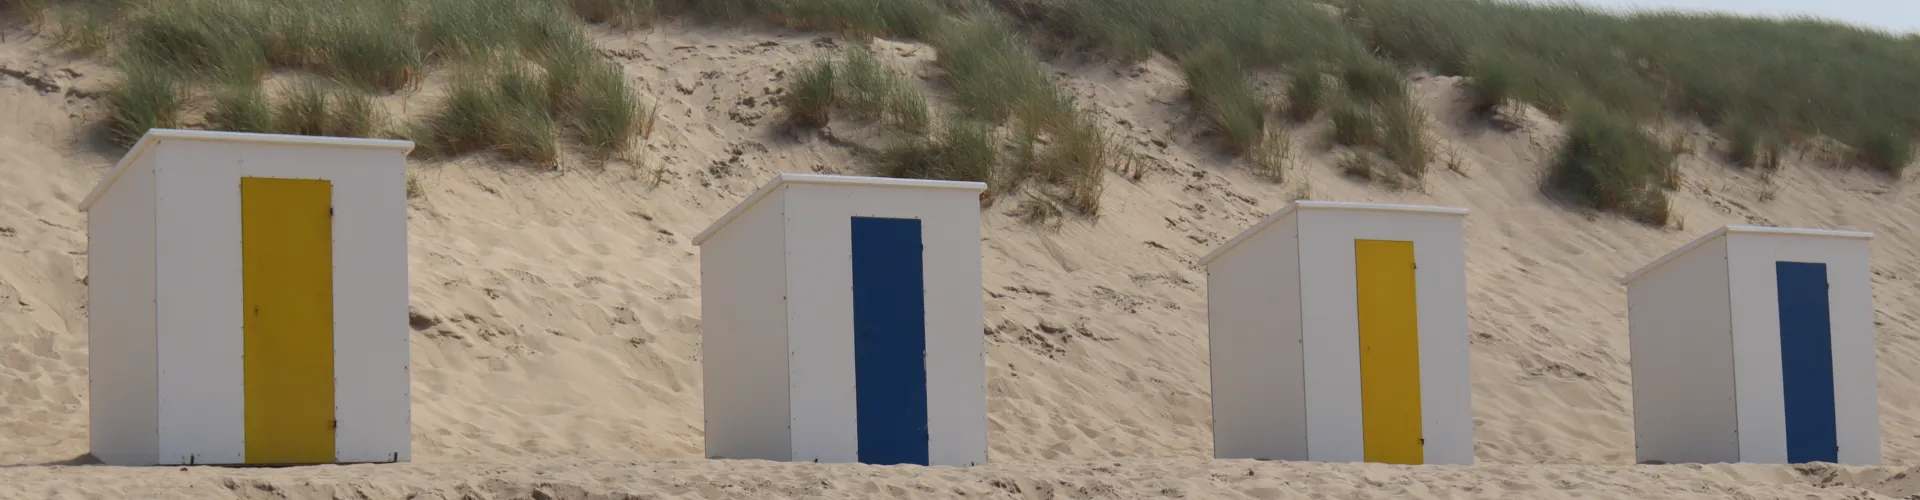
329	211
336	424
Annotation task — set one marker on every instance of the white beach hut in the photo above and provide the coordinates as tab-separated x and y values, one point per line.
247	301
841	321
1756	344
1338	333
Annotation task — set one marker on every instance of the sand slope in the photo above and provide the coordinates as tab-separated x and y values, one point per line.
556	312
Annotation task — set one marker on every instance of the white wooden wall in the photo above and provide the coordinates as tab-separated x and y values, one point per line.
1330	335
743	306
201	415
1756	341
1705	340
1253	336
187	184
124	401
820	317
1680	336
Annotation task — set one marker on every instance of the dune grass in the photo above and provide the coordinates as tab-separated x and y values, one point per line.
995	78
504	109
1790	80
363	48
240	108
147	95
1221	94
875	91
963	150
1306	95
1262	33
1608	162
811	95
860	84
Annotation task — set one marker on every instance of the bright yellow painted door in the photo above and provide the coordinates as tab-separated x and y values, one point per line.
1389	351
286	260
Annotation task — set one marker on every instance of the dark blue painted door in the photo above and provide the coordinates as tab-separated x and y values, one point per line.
1806	362
889	341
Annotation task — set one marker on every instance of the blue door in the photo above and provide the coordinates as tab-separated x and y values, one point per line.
889	341
1806	362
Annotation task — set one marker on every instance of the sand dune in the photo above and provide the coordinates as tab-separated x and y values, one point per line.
556	326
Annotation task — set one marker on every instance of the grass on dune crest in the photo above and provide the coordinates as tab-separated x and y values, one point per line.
994	77
1609	162
860	84
549	81
1765	86
1220	43
1783	80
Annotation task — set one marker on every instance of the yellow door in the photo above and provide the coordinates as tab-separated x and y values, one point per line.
1389	351
286	261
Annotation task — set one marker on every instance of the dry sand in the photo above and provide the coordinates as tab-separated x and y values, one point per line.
557	329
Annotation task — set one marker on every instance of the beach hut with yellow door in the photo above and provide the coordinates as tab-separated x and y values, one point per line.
1338	333
247	301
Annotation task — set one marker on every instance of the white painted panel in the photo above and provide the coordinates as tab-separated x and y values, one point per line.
198	217
1855	342
203	419
744	336
124	402
1331	329
1253	330
1756	319
820	325
1446	393
1680	337
821	317
371	382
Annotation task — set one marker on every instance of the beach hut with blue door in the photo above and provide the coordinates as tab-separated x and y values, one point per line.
841	321
1756	344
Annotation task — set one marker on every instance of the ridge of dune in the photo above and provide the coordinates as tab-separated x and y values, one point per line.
556	312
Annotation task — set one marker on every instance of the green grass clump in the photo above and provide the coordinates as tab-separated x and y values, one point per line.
992	74
1403	137
1792	79
1306	94
811	95
462	29
1221	94
1609	163
309	109
875	91
1262	33
353	113
907	18
590	95
1884	149
225	38
359	41
504	110
302	110
964	150
1495	83
546	74
623	14
240	108
1356	124
147	96
1747	146
368	45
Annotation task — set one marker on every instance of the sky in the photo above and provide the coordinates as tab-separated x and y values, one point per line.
1898	16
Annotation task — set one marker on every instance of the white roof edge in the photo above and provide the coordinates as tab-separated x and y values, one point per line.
1330	205
845	180
153	136
1725	230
